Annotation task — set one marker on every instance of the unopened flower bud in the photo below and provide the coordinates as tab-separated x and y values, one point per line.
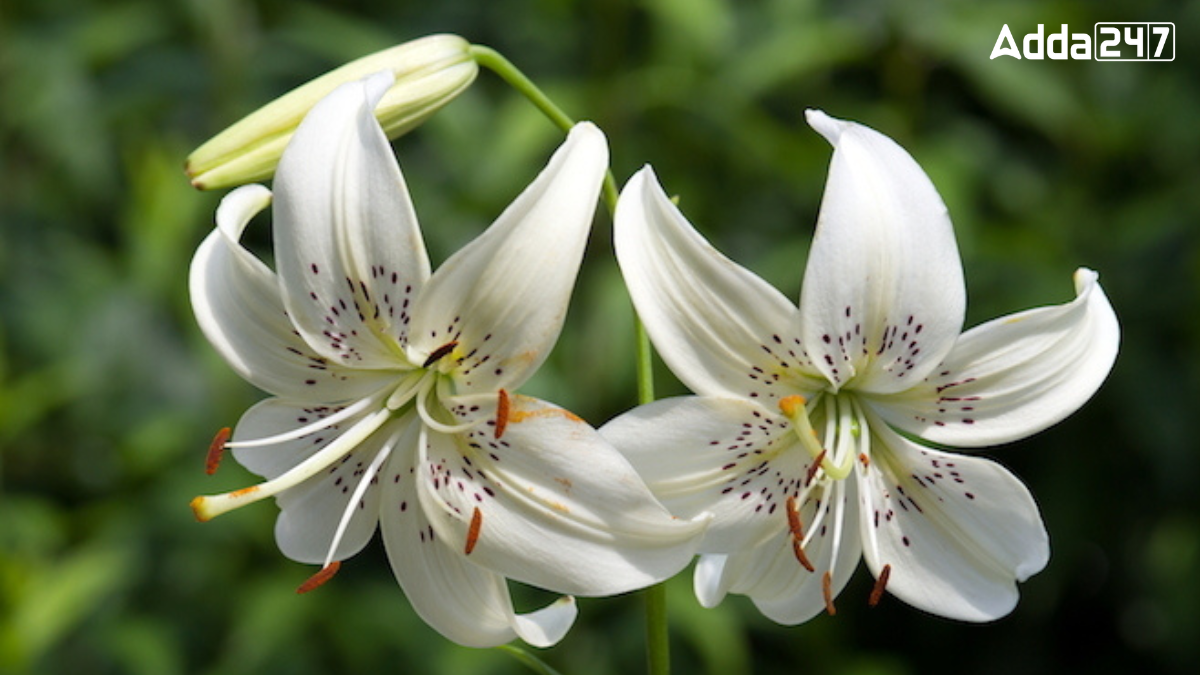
429	73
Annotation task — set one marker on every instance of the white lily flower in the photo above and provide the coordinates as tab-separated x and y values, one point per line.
812	437
392	386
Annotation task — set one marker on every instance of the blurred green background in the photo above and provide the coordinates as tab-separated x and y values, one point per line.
109	395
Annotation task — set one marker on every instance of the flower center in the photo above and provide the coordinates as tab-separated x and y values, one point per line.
834	451
842	440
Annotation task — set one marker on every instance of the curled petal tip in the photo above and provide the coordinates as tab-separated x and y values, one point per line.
1085	276
823	124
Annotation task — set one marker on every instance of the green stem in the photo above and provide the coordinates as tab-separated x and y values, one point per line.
658	645
658	650
529	660
494	61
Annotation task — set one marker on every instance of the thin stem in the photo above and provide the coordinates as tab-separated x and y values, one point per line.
494	61
658	650
658	645
645	363
529	660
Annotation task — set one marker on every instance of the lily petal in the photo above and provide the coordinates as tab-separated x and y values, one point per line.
883	296
729	457
311	512
465	602
1014	376
722	330
237	302
503	297
347	244
780	587
550	503
958	531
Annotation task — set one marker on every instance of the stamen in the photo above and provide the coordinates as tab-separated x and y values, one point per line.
320	577
813	468
793	516
439	353
473	531
827	591
880	584
843	453
300	432
502	410
866	461
797	530
216	450
428	389
355	499
210	506
412	383
801	556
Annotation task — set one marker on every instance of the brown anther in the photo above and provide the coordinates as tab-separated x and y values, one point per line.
866	461
793	516
320	577
801	556
439	353
797	530
880	584
216	450
827	590
502	409
473	531
812	468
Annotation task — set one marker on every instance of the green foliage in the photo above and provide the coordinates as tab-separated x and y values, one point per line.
108	394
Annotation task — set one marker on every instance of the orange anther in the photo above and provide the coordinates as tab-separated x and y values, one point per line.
502	409
320	577
473	531
216	450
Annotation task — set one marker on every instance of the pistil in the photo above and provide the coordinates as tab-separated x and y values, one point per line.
794	407
210	506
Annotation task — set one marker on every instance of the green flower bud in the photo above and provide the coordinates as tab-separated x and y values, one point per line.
429	73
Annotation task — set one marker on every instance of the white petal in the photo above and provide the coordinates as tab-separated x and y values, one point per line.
238	306
958	531
1016	375
709	581
311	512
883	296
461	600
728	457
346	239
722	330
503	297
551	504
